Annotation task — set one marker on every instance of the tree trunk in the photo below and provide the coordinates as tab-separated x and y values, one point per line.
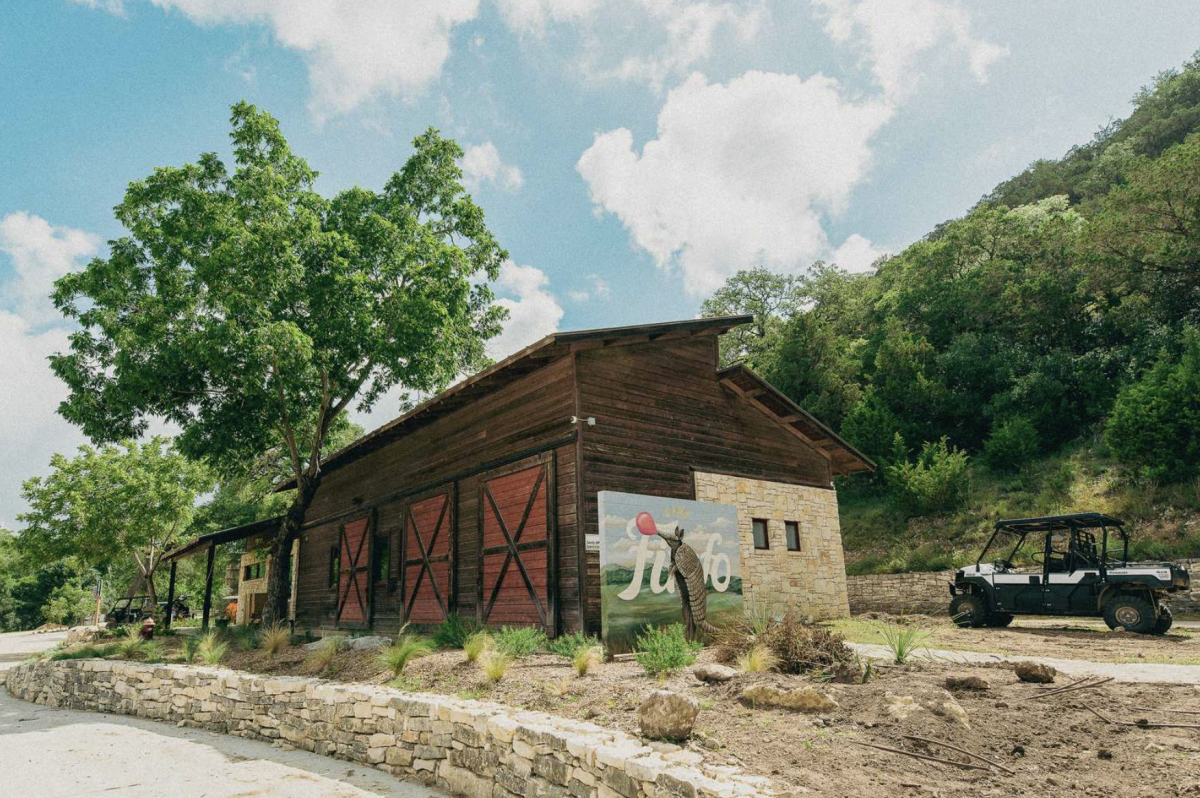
279	577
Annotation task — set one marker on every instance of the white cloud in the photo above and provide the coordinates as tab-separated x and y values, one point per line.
599	289
482	163
111	6
894	33
40	253
530	17
533	312
740	174
356	50
856	254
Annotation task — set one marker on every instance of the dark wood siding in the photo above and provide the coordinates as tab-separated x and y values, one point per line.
661	413
529	414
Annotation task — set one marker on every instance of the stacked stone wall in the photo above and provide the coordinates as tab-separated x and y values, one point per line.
468	748
812	580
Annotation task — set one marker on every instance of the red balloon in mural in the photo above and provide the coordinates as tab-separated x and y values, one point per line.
646	525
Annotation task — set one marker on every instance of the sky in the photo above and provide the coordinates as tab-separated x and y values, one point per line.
629	154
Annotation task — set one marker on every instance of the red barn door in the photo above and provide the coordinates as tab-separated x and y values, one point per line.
516	547
354	574
427	560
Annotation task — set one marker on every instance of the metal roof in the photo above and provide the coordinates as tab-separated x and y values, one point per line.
1051	523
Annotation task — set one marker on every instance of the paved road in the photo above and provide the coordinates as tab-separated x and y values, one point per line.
57	753
17	646
1122	672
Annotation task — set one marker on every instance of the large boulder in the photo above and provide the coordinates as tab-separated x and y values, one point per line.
81	634
800	699
667	715
1035	672
368	642
713	672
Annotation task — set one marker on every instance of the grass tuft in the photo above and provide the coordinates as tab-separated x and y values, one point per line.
902	640
476	644
407	648
758	659
274	639
212	648
495	665
586	658
519	642
324	659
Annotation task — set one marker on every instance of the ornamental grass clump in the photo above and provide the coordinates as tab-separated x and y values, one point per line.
902	640
665	650
476	644
407	648
495	665
274	639
452	632
758	659
324	659
585	658
131	644
211	649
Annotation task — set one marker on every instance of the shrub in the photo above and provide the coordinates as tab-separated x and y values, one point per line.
406	648
153	651
798	647
324	658
566	645
666	650
274	639
758	659
585	658
212	648
495	664
1155	423
87	652
452	632
519	641
937	480
190	647
476	644
68	604
1012	444
131	643
244	637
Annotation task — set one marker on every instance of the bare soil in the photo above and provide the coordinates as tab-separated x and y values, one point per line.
1054	745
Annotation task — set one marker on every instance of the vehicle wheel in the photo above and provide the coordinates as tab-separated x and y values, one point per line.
1134	613
1164	621
999	619
967	609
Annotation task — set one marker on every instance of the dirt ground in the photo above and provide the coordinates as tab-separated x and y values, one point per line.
1053	746
1066	638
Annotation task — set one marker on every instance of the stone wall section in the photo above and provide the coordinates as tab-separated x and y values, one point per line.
469	748
900	594
812	580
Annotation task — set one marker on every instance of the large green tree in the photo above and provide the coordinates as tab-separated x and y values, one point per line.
106	506
250	311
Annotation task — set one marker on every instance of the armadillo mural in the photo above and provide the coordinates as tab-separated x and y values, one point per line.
665	561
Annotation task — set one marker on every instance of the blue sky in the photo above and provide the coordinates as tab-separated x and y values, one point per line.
629	154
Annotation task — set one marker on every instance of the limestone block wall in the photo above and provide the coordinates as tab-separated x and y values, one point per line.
812	580
469	748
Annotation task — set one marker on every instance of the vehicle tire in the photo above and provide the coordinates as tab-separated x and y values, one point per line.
967	609
999	619
1134	613
1164	621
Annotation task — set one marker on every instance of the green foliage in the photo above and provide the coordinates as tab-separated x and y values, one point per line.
477	643
191	648
69	604
212	648
453	632
324	659
937	480
274	639
131	644
519	642
662	651
87	652
565	645
245	637
495	665
1155	425
902	640
407	648
1012	444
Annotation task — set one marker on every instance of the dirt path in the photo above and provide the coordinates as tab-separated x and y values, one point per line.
1134	673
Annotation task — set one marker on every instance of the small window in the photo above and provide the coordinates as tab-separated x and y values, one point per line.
761	539
335	565
381	554
252	571
792	529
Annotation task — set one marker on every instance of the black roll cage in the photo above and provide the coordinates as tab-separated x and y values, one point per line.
1048	525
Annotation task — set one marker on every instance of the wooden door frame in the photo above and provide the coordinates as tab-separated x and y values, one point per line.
367	543
548	461
447	524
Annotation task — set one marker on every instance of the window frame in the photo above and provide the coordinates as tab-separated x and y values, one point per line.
335	566
766	546
788	528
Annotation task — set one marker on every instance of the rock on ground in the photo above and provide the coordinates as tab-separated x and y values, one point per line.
713	672
668	715
81	634
957	681
368	642
800	699
1035	672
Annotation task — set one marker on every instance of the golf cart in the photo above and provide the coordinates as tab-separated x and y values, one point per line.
1067	570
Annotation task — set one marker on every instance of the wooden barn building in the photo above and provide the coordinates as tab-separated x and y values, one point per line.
481	500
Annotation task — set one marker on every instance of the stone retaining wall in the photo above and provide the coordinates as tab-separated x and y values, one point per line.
928	592
469	748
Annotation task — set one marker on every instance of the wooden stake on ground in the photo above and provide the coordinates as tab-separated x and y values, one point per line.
1068	688
1141	724
953	747
965	765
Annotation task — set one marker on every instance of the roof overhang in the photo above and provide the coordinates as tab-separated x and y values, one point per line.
843	458
1057	523
231	535
512	368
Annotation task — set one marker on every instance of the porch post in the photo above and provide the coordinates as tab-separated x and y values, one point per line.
170	598
208	580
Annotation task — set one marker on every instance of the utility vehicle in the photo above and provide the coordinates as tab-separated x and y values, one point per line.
1067	569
